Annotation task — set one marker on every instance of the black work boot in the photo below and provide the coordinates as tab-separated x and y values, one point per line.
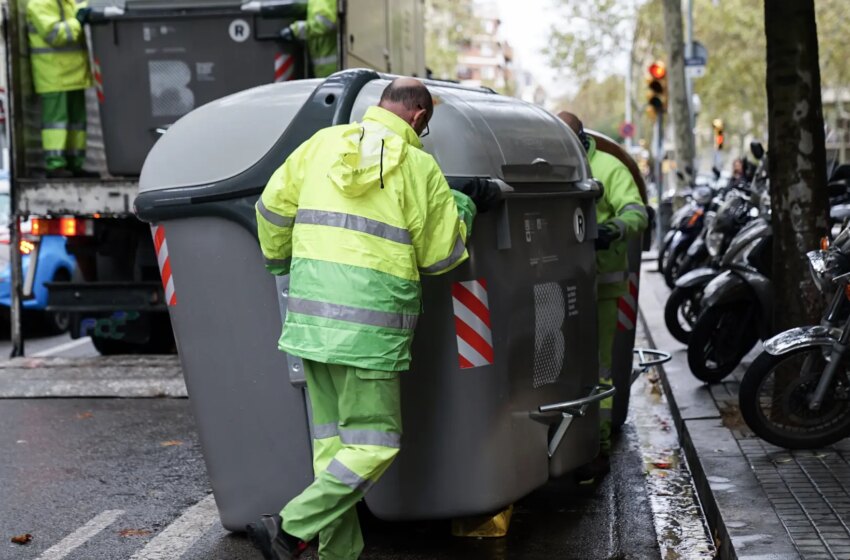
594	470
275	543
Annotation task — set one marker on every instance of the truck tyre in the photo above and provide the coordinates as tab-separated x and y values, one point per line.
161	340
57	322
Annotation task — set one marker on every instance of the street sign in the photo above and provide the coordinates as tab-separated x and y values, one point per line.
627	130
695	71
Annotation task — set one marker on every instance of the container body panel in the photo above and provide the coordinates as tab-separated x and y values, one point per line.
251	420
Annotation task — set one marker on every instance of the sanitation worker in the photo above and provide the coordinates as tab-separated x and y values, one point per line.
319	30
355	215
621	216
60	71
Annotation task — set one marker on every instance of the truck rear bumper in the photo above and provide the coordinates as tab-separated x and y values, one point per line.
105	297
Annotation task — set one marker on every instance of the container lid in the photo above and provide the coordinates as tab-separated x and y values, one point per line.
224	138
476	132
473	132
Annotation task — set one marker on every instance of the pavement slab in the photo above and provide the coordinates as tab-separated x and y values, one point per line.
761	501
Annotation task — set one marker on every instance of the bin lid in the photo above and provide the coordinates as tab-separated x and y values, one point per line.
166	4
223	138
474	132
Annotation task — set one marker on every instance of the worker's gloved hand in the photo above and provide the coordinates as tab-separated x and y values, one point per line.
485	193
84	15
287	35
607	234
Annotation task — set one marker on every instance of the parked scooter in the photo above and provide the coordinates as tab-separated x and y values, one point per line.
723	245
796	394
688	230
736	307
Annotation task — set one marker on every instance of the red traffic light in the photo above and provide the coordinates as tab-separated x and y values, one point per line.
657	70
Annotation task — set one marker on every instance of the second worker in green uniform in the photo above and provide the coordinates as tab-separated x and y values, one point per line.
621	216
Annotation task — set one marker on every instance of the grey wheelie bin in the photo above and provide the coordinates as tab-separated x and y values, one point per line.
157	60
502	392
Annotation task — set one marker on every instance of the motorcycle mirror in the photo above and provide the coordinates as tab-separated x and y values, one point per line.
757	149
838	187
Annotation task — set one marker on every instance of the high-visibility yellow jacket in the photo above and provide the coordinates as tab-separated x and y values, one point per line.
320	32
60	61
356	214
622	206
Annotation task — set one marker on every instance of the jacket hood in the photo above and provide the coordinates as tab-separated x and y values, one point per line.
371	151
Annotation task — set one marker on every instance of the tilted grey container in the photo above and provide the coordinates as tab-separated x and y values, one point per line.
155	61
474	440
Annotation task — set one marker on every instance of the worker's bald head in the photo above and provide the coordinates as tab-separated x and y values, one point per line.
410	100
572	121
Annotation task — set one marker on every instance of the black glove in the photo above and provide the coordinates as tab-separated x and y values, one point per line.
83	15
606	234
287	35
485	193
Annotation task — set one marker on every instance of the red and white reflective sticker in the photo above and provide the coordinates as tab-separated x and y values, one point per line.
472	324
627	306
98	81
164	263
284	67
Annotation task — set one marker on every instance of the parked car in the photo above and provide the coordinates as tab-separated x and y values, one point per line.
52	264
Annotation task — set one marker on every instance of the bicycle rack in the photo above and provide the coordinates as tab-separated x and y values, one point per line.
648	359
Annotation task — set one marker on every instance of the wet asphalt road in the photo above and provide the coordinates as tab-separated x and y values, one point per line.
95	479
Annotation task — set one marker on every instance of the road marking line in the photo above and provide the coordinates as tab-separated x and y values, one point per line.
179	537
62	348
67	545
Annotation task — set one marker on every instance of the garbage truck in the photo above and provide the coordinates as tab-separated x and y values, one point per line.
502	393
154	61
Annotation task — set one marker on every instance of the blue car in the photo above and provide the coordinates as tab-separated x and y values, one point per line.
52	264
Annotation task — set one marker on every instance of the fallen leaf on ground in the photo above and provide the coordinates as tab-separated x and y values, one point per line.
22	539
134	532
84	415
171	443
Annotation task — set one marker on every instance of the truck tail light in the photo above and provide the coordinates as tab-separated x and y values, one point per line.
66	227
27	247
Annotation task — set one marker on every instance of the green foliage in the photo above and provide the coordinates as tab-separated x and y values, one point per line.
447	24
733	88
599	104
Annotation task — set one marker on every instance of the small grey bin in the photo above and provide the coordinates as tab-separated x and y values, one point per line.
474	439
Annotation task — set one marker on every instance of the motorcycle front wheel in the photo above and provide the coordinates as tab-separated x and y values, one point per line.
720	339
675	258
774	399
681	312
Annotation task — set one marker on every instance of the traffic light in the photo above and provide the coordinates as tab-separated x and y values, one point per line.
656	84
719	138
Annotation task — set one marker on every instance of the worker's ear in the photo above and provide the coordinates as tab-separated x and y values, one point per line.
420	120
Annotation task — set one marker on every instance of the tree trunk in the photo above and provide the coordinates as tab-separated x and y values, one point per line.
796	159
678	106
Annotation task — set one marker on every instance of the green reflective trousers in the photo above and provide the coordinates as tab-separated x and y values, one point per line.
607	310
63	129
356	436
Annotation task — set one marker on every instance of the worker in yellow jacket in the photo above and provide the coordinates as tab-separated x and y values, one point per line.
61	74
355	215
319	31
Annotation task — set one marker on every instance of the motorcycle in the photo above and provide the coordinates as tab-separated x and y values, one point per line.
796	394
736	307
686	232
723	246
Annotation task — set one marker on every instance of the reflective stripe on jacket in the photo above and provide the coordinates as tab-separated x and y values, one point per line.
320	32
622	207
356	214
60	61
